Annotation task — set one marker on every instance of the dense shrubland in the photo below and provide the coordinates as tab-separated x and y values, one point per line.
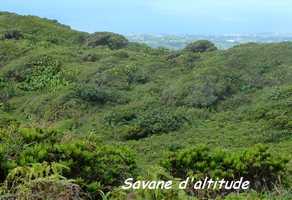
136	123
93	166
257	165
80	113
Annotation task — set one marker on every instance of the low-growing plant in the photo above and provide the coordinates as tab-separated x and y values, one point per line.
140	123
257	165
94	167
39	72
12	35
90	57
99	95
40	181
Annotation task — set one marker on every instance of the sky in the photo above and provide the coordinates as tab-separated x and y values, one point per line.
162	16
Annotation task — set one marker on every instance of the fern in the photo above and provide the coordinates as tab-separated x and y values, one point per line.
40	181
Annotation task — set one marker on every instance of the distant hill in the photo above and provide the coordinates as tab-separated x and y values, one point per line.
35	28
80	113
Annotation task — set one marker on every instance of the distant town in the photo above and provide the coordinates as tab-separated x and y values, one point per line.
221	41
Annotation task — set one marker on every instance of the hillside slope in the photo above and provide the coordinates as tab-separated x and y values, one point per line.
108	109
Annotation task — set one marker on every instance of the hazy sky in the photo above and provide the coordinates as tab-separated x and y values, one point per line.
162	16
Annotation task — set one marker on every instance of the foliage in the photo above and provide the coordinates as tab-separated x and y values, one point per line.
83	100
257	165
90	57
40	72
99	95
12	34
94	167
140	123
37	29
2	168
200	46
111	40
41	181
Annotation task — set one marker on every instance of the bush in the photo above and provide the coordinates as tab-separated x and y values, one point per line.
99	95
94	167
139	123
30	135
39	72
14	139
121	77
111	40
202	95
137	76
203	89
7	90
12	35
257	165
188	60
90	57
159	121
41	180
2	167
121	54
200	46
121	116
197	93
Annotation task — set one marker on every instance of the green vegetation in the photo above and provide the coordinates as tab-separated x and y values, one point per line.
200	46
256	165
111	40
80	113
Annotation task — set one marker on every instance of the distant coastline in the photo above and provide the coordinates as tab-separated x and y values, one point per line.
223	41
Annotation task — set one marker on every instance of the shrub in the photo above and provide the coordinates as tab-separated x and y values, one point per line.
256	164
201	91
121	116
202	95
15	139
137	76
30	135
139	123
40	180
111	40
2	167
39	72
90	57
187	60
10	50
7	90
122	54
95	167
200	46
159	121
122	77
99	95
43	77
12	35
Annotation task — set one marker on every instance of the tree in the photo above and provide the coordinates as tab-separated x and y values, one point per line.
112	40
200	46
